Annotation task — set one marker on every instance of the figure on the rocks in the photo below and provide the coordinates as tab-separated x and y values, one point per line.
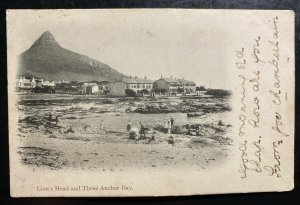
57	120
169	126
171	140
166	126
101	125
142	129
172	122
50	116
128	126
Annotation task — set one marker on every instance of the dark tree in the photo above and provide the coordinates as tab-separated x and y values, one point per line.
180	90
145	91
130	93
200	88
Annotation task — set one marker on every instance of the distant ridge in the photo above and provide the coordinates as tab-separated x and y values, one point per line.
46	58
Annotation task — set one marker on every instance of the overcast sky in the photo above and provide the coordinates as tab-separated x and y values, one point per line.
137	43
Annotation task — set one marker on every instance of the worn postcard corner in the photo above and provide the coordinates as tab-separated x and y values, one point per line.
152	102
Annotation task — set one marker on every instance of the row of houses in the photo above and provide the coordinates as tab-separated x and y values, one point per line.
27	83
166	86
100	88
36	85
175	86
137	86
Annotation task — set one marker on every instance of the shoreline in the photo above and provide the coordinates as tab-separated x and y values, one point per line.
77	142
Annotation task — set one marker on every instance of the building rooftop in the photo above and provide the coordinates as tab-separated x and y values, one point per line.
141	80
129	80
169	80
25	80
172	80
104	82
184	81
136	80
90	84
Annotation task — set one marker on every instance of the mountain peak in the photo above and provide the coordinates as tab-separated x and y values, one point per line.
46	58
45	39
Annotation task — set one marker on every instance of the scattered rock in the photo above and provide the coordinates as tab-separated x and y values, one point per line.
42	157
32	120
196	114
69	130
52	136
48	131
171	140
71	118
220	123
192	133
178	130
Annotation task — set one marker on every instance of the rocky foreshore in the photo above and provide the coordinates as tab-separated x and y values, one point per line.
183	107
144	106
211	130
77	139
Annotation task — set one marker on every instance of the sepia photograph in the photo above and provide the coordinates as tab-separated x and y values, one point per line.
143	105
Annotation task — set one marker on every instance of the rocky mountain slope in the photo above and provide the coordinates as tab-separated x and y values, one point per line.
46	58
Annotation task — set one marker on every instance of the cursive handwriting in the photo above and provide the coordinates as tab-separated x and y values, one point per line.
243	167
255	122
257	163
259	148
278	124
256	51
275	169
243	93
255	91
255	81
250	164
275	28
276	94
242	117
241	64
275	63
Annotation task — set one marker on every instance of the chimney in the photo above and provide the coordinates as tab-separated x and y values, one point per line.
130	77
145	77
161	77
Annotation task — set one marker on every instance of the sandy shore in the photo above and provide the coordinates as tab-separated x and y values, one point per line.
78	143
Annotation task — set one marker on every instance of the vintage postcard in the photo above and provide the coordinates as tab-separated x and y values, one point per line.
150	102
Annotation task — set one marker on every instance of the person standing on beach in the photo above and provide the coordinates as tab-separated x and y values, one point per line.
169	126
166	126
50	116
57	120
172	122
128	126
142	129
101	125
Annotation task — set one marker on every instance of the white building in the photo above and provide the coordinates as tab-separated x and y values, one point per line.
138	85
90	88
23	83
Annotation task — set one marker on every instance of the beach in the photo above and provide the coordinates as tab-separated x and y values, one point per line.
79	141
